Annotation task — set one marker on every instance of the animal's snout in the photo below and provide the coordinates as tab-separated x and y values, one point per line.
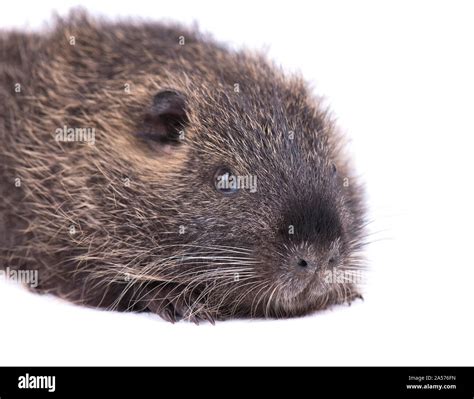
312	260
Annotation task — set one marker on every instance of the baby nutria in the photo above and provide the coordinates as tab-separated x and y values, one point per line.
146	167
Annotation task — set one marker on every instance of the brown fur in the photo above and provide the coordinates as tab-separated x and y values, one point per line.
127	196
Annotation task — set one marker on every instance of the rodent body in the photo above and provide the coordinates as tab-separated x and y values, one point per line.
115	138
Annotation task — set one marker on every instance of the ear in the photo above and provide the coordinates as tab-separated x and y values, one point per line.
165	119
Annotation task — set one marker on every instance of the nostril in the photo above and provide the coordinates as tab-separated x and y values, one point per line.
302	263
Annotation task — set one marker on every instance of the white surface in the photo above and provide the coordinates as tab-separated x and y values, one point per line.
399	75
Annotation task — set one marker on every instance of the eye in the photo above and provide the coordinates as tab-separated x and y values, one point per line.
334	168
225	182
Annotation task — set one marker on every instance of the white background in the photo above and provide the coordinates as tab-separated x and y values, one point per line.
400	78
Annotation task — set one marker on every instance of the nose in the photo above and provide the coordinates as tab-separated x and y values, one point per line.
306	261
